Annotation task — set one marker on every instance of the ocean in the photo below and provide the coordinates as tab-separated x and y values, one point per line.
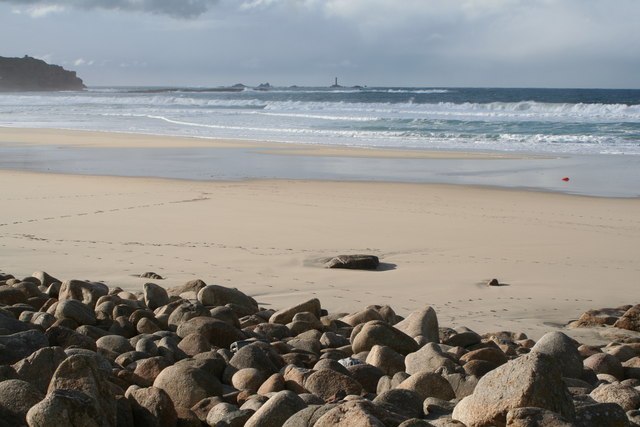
575	123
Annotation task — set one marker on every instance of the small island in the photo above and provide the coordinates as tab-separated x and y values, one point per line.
29	74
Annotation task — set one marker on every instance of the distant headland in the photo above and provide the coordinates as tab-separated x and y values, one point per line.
29	74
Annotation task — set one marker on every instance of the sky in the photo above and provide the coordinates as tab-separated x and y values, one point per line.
425	43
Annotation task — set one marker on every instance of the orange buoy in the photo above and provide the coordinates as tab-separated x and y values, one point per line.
565	179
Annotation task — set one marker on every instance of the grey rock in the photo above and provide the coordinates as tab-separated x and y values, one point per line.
187	385
431	358
20	345
66	408
154	295
381	333
285	315
16	398
421	323
214	295
81	373
354	262
565	351
38	368
280	407
404	402
77	311
534	380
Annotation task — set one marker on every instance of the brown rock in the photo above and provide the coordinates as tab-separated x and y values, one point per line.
16	397
630	319
421	323
85	292
326	383
38	368
217	332
276	410
187	385
381	333
286	315
428	384
625	396
534	380
361	413
153	407
386	359
81	373
603	363
354	262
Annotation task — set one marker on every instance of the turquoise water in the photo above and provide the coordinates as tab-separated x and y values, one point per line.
541	121
590	136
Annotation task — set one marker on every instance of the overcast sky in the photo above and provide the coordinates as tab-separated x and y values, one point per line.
525	43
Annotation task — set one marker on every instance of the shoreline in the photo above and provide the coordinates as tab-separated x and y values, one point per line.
560	255
201	159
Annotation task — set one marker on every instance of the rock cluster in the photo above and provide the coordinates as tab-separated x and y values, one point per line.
80	353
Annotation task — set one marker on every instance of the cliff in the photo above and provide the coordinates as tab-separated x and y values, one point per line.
30	74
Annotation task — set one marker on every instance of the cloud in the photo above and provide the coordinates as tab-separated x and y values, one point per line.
174	8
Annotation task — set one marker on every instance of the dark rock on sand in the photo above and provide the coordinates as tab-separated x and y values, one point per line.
354	262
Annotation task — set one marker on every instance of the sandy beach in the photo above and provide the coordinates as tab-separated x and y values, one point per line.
558	255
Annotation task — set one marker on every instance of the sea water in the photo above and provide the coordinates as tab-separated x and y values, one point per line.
600	128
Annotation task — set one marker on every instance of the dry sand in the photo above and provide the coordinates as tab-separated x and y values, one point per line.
558	255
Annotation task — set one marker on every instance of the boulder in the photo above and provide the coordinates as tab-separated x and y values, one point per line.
248	379
217	332
627	397
67	408
147	370
81	373
381	333
534	379
565	351
430	358
192	286
77	311
228	415
38	368
285	315
404	402
153	407
275	411
187	385
258	356
535	417
428	384
354	262
214	295
154	295
10	295
85	292
630	319
45	279
422	323
361	413
327	383
604	363
601	415
65	337
386	359
20	345
16	398
309	415
9	325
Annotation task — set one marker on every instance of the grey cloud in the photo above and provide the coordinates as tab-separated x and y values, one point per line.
174	8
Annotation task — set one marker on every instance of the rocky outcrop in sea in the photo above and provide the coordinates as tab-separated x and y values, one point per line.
81	353
28	74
